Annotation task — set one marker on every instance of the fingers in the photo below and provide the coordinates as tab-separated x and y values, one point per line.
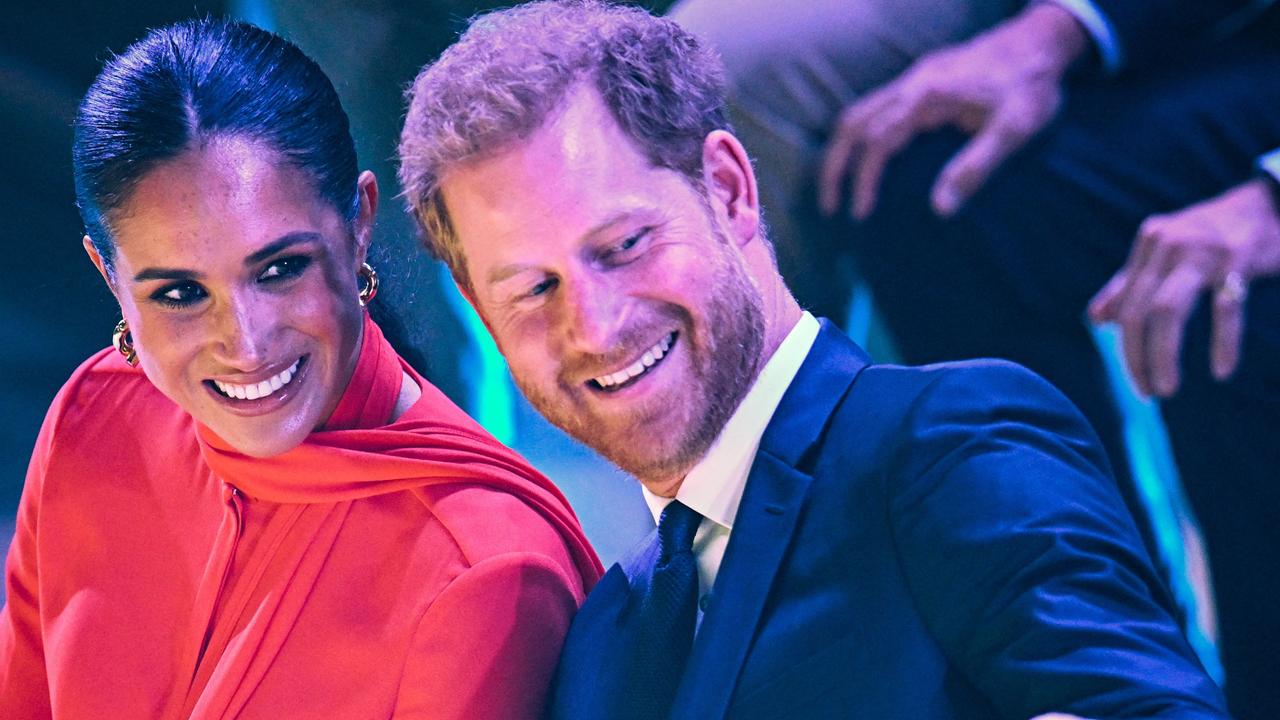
845	141
1228	326
1152	298
1166	320
1143	282
867	136
1008	130
1105	305
884	140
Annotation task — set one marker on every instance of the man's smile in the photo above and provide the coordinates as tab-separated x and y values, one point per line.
651	358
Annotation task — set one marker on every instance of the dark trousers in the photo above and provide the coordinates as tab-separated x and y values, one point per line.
1010	275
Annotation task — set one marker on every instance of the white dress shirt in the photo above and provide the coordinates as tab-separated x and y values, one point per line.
714	486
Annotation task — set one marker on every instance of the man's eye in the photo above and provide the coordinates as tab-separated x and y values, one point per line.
630	243
542	288
179	294
285	268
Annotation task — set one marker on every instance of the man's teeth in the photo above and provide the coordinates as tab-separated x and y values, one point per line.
646	361
258	390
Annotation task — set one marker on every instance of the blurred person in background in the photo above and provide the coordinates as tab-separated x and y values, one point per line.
1117	161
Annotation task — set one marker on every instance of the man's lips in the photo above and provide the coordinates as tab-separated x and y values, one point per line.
638	368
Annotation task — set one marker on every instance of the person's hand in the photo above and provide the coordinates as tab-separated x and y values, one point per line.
1001	87
1221	244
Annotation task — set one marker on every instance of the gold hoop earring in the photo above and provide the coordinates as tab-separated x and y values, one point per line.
370	289
122	339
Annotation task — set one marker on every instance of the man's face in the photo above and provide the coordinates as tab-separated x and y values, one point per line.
627	316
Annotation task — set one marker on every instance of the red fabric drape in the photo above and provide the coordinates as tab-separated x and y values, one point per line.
357	455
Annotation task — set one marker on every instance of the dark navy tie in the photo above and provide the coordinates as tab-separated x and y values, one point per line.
666	619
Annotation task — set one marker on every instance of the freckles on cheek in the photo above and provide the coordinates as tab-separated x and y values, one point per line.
326	297
161	336
338	281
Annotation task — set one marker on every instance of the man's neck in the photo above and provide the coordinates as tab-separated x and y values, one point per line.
665	487
781	313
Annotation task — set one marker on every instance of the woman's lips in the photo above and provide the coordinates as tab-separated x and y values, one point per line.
262	389
263	396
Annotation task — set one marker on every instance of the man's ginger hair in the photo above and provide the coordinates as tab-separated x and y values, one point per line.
512	69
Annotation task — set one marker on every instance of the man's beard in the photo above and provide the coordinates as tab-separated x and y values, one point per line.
723	370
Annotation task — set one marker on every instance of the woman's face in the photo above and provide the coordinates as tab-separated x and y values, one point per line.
239	284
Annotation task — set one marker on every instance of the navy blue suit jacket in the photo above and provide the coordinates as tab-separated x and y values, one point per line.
937	542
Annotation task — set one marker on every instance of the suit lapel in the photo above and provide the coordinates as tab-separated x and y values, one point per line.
772	503
762	531
589	677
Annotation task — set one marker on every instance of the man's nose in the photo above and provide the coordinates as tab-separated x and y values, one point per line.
594	312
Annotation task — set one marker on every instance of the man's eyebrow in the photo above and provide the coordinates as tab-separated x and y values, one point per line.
610	220
505	272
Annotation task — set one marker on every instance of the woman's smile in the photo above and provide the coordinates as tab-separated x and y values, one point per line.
250	396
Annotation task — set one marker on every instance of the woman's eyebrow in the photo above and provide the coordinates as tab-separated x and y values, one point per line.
288	240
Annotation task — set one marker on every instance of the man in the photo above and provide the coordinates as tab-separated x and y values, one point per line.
835	538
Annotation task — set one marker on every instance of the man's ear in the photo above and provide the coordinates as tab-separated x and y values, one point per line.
99	263
367	189
731	184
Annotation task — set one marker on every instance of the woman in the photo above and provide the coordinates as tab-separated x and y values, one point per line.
251	507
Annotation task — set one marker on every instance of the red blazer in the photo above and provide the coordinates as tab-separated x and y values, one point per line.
410	569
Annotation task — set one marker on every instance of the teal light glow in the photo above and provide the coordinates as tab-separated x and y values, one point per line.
490	391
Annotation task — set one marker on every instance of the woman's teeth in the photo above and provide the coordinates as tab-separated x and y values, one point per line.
646	361
259	390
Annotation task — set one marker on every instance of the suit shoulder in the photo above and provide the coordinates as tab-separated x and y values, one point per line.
949	387
900	416
985	371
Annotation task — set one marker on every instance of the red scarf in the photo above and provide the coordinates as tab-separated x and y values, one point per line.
357	455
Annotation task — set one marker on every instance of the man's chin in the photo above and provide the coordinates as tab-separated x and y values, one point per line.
653	463
648	442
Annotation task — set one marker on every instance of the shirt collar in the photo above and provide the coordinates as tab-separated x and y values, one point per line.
714	486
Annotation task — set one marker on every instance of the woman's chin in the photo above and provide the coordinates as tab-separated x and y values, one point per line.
259	436
261	443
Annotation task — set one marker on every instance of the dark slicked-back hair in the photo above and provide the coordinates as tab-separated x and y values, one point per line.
512	68
194	81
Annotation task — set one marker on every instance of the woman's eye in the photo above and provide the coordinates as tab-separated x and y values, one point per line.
285	268
179	295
